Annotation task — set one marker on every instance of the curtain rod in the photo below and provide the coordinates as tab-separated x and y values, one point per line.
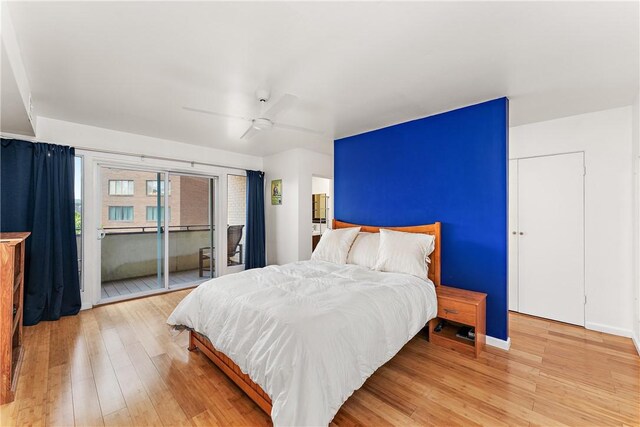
122	153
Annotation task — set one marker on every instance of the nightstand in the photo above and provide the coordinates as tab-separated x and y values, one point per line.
457	308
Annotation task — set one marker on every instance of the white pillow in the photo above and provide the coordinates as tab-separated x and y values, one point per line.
401	252
364	250
334	245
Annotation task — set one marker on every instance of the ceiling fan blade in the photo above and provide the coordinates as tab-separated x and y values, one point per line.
286	102
213	113
249	133
298	128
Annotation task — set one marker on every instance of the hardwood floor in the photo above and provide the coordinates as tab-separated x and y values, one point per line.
119	365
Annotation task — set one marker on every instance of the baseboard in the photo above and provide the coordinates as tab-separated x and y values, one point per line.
86	306
636	342
608	329
498	343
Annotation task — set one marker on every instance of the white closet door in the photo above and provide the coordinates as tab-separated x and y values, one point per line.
513	235
551	237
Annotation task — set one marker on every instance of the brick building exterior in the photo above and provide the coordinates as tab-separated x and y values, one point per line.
194	200
134	195
130	200
237	199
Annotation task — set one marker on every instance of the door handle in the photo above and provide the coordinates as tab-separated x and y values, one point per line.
522	233
101	234
514	232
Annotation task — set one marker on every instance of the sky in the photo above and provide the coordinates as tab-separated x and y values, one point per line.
77	185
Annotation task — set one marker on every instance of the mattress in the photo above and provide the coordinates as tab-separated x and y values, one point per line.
309	333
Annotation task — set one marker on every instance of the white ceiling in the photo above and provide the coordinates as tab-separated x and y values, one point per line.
356	66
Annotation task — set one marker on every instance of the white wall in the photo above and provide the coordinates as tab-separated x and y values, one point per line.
320	185
79	135
636	219
289	225
282	220
605	137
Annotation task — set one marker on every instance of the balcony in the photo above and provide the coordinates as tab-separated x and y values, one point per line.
130	258
136	285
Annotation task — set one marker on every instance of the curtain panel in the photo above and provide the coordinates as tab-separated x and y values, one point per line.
255	239
37	195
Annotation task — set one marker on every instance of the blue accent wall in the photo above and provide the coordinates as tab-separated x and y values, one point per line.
452	168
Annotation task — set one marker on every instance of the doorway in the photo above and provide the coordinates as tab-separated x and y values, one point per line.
320	208
546	241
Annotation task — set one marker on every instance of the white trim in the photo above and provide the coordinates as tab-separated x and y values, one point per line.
613	330
12	49
498	343
83	246
9	135
636	342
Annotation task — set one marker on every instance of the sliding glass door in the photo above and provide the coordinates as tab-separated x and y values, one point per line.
132	243
156	232
192	255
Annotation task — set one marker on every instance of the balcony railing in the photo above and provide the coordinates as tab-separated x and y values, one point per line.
130	252
154	228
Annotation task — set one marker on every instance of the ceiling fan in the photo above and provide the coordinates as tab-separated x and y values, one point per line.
267	118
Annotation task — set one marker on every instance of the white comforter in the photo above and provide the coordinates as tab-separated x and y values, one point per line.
309	333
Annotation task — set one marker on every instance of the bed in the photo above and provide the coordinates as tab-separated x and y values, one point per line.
300	338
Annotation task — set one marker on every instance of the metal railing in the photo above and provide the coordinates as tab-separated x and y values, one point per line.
131	252
154	228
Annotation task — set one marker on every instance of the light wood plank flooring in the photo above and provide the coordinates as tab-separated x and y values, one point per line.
119	365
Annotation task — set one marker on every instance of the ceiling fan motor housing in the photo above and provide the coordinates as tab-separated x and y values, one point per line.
262	124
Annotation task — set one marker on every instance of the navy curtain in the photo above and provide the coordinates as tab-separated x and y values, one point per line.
37	195
255	240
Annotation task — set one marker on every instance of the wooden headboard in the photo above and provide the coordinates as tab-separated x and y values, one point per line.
433	229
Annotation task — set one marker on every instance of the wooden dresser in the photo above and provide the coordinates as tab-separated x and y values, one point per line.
458	308
11	300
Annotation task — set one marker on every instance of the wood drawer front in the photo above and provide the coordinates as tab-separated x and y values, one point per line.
457	311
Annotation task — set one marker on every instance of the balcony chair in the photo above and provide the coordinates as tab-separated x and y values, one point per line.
234	235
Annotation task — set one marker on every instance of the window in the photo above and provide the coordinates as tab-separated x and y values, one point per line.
77	195
120	213
152	213
237	217
120	187
152	188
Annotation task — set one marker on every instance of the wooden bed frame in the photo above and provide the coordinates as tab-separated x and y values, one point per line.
242	380
433	229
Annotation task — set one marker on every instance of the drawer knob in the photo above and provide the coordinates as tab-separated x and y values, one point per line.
450	311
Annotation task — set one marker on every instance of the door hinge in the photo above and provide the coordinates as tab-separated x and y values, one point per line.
585	300
584	170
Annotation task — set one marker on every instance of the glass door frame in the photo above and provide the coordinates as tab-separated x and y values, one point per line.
213	218
213	193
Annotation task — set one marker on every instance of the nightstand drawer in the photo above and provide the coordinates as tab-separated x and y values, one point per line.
457	311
